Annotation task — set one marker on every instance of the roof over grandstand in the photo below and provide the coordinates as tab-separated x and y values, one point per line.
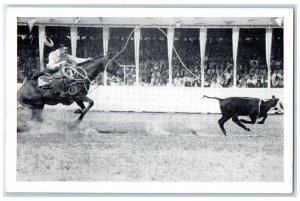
178	22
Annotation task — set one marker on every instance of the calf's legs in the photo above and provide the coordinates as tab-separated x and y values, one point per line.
253	120
222	122
263	120
236	120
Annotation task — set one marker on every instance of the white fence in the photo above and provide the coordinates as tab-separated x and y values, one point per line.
167	99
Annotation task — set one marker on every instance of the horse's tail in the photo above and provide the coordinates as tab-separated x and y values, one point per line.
21	101
23	83
20	98
24	104
219	99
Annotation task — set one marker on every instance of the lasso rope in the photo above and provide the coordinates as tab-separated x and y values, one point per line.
85	75
176	53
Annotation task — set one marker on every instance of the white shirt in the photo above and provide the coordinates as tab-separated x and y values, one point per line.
253	81
186	79
227	75
177	82
55	59
273	78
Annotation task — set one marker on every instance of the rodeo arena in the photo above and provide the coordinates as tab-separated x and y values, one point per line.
150	99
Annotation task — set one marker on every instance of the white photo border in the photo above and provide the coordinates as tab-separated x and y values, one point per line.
11	183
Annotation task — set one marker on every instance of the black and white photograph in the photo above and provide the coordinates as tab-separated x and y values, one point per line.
150	98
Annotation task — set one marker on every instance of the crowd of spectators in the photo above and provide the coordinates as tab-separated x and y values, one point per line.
251	69
89	42
277	74
218	64
117	41
28	53
277	80
186	43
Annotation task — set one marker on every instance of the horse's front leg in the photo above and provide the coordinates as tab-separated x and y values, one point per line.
85	110
37	113
81	105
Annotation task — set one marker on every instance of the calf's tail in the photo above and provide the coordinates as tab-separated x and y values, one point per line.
22	102
219	99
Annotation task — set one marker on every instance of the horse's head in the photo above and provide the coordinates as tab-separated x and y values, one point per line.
111	53
113	67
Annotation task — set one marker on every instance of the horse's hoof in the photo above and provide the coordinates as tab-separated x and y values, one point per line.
78	111
248	129
260	122
72	126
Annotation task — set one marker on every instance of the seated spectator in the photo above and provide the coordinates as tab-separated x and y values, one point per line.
178	81
186	79
242	82
206	80
214	82
196	82
273	78
280	75
114	81
275	83
252	81
21	76
161	82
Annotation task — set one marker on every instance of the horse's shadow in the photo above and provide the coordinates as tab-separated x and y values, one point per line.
111	132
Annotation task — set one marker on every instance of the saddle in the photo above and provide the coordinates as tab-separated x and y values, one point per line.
45	81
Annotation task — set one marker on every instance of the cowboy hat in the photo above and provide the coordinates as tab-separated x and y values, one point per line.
48	42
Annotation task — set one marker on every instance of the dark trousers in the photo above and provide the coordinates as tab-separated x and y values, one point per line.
43	72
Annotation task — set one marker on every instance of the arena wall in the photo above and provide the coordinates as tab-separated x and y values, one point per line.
167	99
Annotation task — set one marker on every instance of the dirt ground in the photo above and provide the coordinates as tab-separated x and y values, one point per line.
147	147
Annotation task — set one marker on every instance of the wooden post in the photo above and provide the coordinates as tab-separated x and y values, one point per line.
41	45
203	38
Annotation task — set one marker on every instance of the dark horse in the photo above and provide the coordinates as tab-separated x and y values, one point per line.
34	97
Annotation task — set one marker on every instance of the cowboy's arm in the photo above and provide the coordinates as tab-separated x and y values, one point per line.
77	60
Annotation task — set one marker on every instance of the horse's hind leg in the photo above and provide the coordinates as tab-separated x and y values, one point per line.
86	109
222	122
